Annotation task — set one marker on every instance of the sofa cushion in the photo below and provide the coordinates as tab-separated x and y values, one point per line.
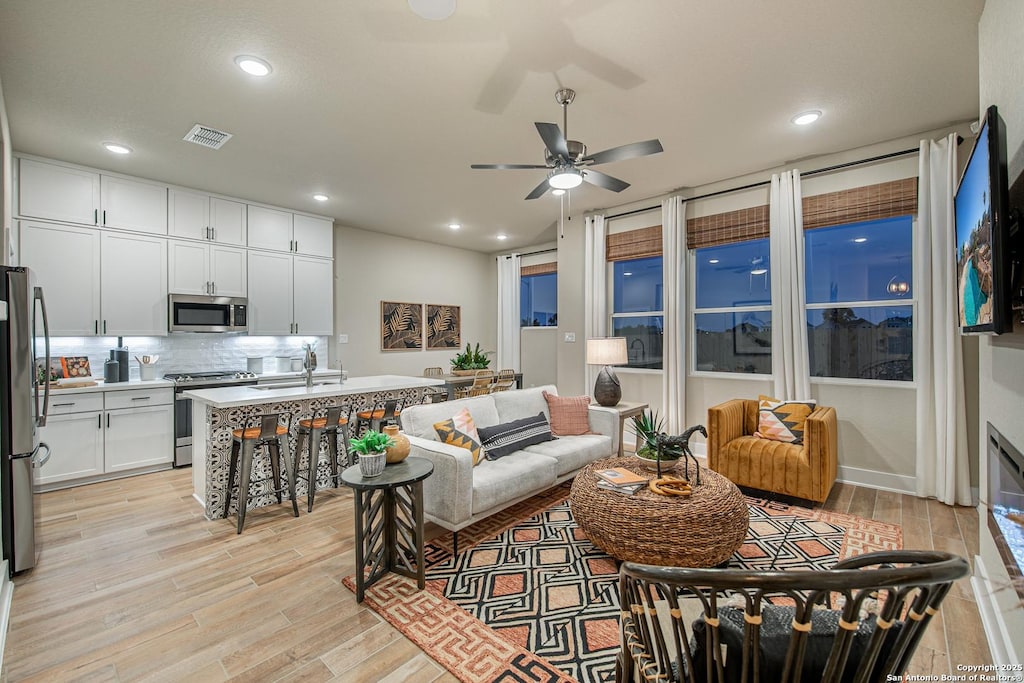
573	452
419	420
569	414
459	430
496	482
783	420
520	403
509	437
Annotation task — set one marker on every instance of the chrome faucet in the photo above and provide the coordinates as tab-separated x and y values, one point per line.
309	364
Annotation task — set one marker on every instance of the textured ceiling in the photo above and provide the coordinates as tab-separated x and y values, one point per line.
385	111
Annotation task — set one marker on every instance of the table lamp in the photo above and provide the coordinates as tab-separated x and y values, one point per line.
607	351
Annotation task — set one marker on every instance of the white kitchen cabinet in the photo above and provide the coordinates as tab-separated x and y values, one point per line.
58	192
133	285
196	216
270	293
313	236
269	229
313	296
66	262
197	268
133	205
138	437
76	446
228	221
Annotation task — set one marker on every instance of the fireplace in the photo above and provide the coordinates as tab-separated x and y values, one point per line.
1006	503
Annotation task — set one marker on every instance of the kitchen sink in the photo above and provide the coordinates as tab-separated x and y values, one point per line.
291	385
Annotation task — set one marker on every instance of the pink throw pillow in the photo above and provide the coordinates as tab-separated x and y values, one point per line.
569	414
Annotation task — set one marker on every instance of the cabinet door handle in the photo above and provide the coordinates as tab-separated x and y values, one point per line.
99	421
138	398
108	420
63	405
104	327
104	216
296	246
213	231
95	216
95	326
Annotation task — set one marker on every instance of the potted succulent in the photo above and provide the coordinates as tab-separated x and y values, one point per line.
372	449
470	360
647	425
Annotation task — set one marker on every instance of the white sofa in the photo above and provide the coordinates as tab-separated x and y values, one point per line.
458	494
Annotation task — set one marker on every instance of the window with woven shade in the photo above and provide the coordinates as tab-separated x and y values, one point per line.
538	295
635	266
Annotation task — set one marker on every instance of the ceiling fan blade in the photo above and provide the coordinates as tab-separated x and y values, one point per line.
630	151
604	180
553	139
506	167
539	190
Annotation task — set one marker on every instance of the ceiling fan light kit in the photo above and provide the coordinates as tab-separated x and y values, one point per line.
565	178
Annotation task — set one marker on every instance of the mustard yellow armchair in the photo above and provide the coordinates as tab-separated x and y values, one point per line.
805	470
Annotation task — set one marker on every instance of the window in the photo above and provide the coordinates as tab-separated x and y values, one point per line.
538	300
637	312
732	308
860	300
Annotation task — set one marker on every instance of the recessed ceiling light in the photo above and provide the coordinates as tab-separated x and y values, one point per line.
860	240
502	237
806	117
253	66
117	148
558	192
320	197
434	10
713	260
454	226
627	274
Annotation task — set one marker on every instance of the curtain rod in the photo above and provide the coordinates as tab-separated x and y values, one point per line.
762	183
529	253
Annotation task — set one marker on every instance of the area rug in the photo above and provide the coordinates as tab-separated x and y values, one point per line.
529	598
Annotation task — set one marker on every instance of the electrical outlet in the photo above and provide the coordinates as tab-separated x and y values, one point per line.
343	339
570	336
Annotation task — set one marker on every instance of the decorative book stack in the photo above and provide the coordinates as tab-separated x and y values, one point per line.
620	480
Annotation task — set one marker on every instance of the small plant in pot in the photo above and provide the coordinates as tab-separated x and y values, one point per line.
470	360
647	425
371	448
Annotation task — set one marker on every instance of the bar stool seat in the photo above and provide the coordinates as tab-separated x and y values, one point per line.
311	431
390	411
244	441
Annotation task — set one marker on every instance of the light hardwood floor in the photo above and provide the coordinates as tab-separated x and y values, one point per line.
133	583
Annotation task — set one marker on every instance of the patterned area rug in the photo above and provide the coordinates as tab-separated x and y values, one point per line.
529	598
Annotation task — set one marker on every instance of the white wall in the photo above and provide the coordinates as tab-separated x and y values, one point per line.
538	347
6	184
372	267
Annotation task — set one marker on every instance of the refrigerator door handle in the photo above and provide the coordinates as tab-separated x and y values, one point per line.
39	462
46	372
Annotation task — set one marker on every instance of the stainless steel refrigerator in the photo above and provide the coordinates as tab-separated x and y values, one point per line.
24	402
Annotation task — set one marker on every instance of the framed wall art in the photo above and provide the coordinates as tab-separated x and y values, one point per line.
444	326
401	326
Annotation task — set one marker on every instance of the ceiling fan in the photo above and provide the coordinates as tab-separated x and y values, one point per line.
567	161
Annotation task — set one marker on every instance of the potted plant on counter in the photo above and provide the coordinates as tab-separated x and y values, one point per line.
647	425
470	360
372	449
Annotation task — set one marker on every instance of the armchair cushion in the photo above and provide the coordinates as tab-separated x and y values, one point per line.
783	420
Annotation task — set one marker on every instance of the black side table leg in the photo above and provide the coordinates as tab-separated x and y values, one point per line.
360	502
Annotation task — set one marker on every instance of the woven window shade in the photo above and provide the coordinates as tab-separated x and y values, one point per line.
632	244
868	203
538	269
725	228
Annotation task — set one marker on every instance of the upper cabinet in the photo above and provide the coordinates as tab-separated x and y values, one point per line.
270	229
74	195
313	236
191	215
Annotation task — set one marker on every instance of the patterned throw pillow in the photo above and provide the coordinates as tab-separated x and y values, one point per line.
501	440
569	414
783	420
460	430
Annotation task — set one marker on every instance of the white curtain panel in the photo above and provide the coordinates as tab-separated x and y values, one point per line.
790	364
508	312
595	290
942	467
673	253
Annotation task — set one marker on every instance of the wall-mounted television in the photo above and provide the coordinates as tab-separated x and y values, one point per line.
982	223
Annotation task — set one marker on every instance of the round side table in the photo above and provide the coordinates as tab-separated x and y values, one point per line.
389	521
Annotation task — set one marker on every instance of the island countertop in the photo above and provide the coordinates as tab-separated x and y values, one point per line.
233	397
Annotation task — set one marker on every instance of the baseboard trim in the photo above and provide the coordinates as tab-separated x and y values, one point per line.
6	596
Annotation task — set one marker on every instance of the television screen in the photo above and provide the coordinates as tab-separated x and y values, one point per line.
980	212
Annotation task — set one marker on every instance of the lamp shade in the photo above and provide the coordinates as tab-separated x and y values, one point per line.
607	351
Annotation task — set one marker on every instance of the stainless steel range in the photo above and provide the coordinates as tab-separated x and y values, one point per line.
183	381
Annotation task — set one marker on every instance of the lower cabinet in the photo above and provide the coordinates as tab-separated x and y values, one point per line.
97	433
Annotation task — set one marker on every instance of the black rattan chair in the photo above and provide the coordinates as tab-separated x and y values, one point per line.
855	623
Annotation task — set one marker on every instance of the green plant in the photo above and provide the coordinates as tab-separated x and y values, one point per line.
371	442
647	426
471	359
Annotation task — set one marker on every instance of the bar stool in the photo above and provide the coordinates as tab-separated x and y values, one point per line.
311	431
387	412
244	442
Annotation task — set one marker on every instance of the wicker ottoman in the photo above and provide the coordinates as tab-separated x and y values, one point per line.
702	530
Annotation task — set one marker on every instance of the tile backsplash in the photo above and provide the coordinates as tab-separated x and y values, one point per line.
188	352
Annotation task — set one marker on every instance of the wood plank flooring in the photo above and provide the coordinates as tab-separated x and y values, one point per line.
133	583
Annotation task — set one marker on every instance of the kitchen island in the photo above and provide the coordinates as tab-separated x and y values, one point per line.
220	410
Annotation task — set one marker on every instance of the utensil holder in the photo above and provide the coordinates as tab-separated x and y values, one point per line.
147	372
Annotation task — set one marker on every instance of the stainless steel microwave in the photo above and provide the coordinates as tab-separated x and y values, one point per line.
190	313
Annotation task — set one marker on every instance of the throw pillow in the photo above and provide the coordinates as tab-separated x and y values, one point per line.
783	420
501	440
569	414
460	430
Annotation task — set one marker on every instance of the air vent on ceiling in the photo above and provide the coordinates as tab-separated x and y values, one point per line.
207	137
